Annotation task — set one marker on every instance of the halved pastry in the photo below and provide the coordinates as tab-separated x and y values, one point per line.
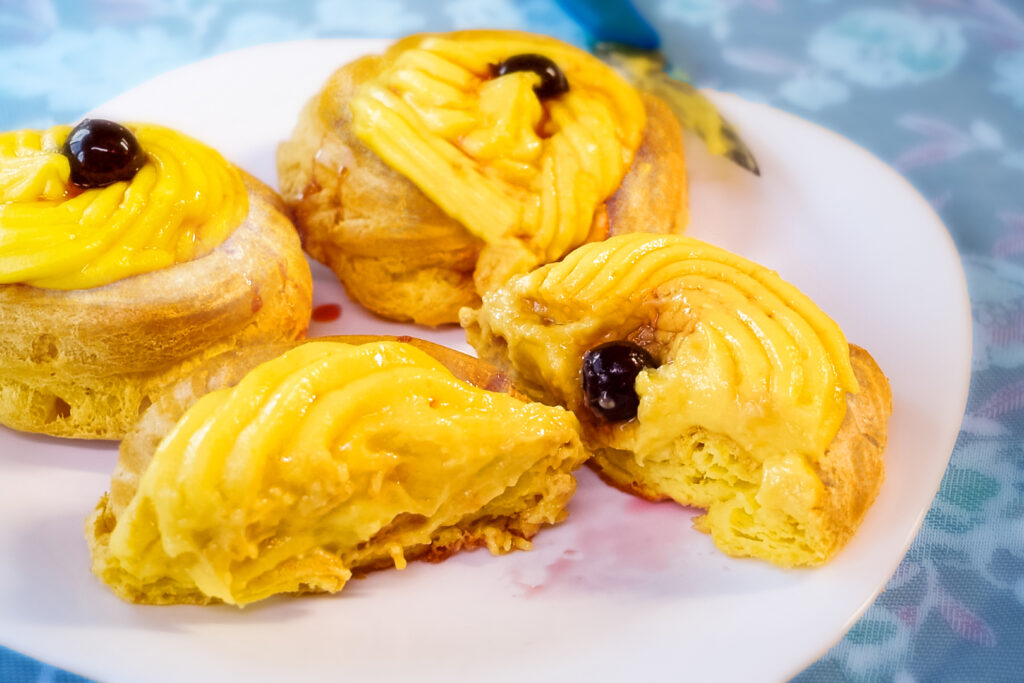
430	174
127	256
288	468
701	377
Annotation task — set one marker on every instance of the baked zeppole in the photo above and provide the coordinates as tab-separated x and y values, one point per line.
288	468
430	174
129	254
701	377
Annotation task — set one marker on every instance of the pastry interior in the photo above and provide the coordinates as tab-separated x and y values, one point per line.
289	468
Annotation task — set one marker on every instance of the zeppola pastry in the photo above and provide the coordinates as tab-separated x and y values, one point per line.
701	377
288	468
430	174
127	256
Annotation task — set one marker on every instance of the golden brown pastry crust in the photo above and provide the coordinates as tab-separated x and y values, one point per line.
226	370
397	253
83	363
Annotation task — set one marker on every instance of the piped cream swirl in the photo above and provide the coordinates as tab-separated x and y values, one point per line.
181	204
526	176
741	351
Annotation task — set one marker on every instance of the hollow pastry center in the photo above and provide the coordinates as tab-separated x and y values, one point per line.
179	206
318	451
517	171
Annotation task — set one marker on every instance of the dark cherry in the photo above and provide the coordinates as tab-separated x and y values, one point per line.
552	80
609	372
101	153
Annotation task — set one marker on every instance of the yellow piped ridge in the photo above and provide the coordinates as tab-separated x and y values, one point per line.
780	366
525	176
327	458
184	202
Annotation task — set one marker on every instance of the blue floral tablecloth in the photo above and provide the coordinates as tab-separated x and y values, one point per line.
933	87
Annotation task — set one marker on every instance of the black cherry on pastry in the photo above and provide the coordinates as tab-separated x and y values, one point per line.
552	81
101	153
609	373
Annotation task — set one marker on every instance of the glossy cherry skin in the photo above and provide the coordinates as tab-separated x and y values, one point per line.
552	81
101	153
609	373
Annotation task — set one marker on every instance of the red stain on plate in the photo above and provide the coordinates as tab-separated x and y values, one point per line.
326	313
610	540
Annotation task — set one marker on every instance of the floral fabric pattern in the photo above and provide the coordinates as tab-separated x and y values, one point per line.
886	48
1009	80
933	87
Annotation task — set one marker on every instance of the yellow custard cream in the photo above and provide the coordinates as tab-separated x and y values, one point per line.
743	352
522	173
180	205
329	458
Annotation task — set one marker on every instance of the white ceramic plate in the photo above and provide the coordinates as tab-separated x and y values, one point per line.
624	587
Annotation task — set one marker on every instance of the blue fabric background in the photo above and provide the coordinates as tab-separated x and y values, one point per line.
934	87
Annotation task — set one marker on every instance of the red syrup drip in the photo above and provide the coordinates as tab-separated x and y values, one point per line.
326	313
